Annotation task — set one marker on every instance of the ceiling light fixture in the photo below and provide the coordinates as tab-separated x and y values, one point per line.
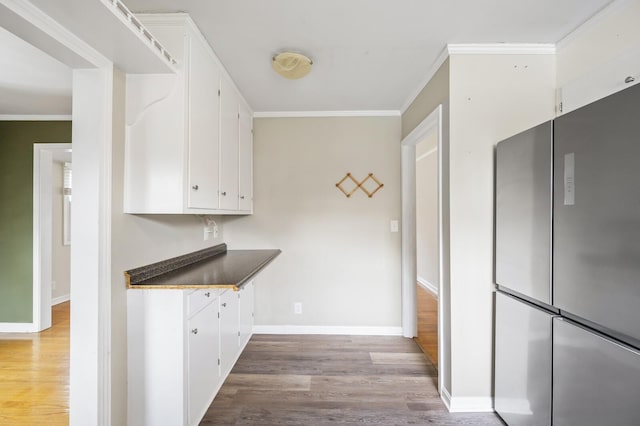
291	65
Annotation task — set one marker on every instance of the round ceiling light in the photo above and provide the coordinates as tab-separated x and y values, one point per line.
291	65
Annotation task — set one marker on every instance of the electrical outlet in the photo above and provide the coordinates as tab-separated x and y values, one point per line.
393	226
210	228
297	308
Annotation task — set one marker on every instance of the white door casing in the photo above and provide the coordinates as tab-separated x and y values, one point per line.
42	232
433	123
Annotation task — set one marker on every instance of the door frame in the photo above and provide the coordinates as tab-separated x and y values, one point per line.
43	232
432	123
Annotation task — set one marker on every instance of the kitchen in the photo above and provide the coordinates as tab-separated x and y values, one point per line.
471	133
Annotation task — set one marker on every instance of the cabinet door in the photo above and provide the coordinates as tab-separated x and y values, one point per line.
203	351
246	313
229	330
203	129
245	172
228	146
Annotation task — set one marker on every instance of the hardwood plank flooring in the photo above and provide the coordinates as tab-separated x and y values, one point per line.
427	337
34	374
321	380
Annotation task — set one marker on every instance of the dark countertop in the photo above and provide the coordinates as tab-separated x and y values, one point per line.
215	267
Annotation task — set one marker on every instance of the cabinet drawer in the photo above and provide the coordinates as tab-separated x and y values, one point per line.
199	299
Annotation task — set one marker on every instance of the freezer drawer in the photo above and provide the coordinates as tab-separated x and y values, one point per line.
596	228
523	212
522	362
595	380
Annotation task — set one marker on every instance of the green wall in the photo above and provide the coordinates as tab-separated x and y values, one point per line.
16	211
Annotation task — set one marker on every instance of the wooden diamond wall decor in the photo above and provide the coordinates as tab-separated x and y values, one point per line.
360	185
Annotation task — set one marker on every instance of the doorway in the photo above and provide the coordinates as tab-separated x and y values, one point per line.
48	252
427	280
422	235
61	238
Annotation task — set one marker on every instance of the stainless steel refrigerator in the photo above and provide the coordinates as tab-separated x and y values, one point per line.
568	268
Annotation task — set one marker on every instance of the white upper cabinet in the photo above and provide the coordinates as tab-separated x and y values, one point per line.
245	172
229	102
183	130
203	130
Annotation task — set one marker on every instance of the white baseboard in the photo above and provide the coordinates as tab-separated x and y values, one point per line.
17	327
471	404
60	299
445	396
333	330
427	285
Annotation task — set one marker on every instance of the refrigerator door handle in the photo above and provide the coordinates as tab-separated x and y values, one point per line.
569	179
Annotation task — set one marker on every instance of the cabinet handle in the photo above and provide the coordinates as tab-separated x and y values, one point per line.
207	294
242	197
194	331
224	194
224	305
195	187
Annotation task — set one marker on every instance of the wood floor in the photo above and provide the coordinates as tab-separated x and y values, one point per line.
320	380
278	380
427	337
34	374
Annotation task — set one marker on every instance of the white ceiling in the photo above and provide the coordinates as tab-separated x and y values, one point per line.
31	82
368	54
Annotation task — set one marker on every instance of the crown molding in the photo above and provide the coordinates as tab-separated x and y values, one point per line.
478	49
304	114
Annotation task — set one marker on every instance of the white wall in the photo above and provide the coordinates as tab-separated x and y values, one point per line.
594	60
339	258
492	97
60	253
427	212
137	240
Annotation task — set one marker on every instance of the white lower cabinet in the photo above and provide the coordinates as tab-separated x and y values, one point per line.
229	330
203	347
246	294
182	344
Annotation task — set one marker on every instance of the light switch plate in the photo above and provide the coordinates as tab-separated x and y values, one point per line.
394	226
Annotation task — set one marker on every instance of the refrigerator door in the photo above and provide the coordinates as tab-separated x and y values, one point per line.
595	380
523	362
523	212
596	227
